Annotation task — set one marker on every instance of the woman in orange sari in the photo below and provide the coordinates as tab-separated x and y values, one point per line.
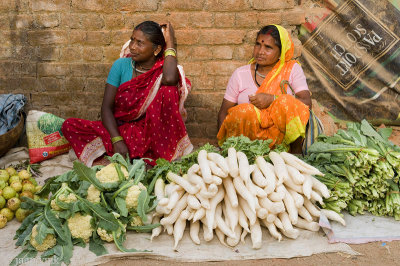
258	102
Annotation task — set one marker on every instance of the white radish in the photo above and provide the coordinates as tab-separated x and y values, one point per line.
311	208
211	191
278	223
284	217
216	180
171	188
290	184
210	213
334	216
173	216
305	214
290	207
216	170
272	207
208	233
173	200
262	213
195	168
316	197
234	241
197	180
159	189
231	213
230	191
251	215
204	166
258	178
300	164
163	202
194	232
321	187
243	166
219	160
298	199
279	166
271	217
193	202
243	236
220	236
276	196
244	193
156	231
221	223
256	235
169	228
233	162
185	184
293	233
243	220
268	173
272	230
307	186
199	214
295	175
311	226
205	202
259	192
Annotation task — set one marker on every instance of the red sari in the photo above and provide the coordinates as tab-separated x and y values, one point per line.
150	118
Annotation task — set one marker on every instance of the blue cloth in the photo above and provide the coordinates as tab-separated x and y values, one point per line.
120	72
10	105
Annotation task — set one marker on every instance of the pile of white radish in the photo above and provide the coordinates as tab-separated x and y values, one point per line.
231	198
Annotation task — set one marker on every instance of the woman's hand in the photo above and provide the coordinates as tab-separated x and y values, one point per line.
261	100
169	35
121	148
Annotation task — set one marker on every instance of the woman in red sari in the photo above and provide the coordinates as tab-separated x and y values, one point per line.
142	111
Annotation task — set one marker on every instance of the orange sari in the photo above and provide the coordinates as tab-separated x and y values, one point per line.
284	120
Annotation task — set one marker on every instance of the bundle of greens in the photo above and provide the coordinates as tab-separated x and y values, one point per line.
87	205
368	161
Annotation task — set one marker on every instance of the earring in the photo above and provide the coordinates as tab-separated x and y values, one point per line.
155	54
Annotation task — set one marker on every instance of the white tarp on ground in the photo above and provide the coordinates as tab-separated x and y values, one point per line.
307	244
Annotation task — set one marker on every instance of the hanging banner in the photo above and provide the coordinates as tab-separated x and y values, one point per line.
351	57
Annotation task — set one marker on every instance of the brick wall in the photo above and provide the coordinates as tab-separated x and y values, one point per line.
58	52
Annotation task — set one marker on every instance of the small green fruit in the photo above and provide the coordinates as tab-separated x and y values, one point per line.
17	186
3	184
7	213
24	174
11	171
21	214
4	175
27	194
13	204
33	181
8	193
3	221
2	202
14	178
28	187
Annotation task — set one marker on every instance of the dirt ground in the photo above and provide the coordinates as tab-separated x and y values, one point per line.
375	253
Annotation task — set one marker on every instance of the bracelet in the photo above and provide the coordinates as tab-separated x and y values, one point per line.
169	52
116	139
171	49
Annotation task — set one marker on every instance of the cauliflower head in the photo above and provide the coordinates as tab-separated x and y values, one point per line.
109	174
136	221
48	242
93	194
67	198
80	226
133	195
107	236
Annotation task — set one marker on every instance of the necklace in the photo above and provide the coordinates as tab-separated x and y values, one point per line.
258	73
138	70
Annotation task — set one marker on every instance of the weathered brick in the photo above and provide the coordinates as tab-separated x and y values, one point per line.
120	37
193	5
5	22
224	20
90	70
98	38
222	67
51	84
192	68
133	19
269	18
7	68
21	22
92	5
8	5
251	36
53	69
298	47
28	84
24	52
202	114
71	54
202	19
71	20
92	21
271	4
96	86
94	100
111	53
296	16
221	82
211	127
76	37
47	21
195	130
49	5
92	54
42	37
114	21
217	36
202	82
243	52
247	19
28	69
222	52
201	53
226	5
75	84
187	36
6	52
185	52
136	5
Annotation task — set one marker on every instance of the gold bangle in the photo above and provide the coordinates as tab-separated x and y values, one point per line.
171	49
169	52
116	139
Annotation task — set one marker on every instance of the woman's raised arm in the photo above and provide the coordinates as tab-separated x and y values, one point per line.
170	70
